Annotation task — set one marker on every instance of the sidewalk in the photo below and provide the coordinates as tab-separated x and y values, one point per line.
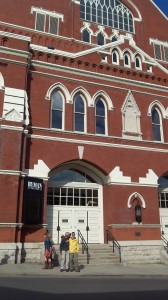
154	270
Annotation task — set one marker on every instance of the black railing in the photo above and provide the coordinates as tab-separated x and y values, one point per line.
116	246
165	242
85	247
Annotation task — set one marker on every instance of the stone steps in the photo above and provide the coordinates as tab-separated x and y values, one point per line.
99	255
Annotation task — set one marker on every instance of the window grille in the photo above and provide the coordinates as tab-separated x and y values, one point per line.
108	13
166	54
53	25
40	22
158	53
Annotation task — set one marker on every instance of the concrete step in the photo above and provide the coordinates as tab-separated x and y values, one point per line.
100	254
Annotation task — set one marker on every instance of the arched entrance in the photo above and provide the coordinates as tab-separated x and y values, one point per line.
75	201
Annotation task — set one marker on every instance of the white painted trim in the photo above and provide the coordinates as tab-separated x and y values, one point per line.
102	144
116	176
160	106
15	36
139	19
92	75
40	170
151	178
77	54
137	225
12	172
85	93
60	87
131	55
8	127
47	12
105	97
159	9
14	51
136	195
11	225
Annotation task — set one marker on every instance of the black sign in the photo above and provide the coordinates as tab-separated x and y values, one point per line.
33	201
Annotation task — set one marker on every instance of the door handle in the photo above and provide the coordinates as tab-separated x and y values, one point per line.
58	228
87	228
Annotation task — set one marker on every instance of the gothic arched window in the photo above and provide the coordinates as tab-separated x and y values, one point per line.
100	115
79	114
86	36
111	13
157	124
57	109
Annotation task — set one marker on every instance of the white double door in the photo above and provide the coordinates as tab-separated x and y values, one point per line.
88	221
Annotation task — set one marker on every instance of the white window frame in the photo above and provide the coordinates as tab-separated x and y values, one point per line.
63	112
49	13
85	113
105	117
129	60
115	63
160	125
140	63
158	45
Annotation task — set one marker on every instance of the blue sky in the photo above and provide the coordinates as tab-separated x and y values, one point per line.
163	5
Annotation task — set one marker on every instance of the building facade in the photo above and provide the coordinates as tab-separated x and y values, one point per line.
83	125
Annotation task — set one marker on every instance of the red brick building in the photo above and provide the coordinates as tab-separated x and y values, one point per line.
83	124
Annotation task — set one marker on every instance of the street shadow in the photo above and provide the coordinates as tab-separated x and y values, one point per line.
5	259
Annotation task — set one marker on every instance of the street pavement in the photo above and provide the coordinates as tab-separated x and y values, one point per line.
34	269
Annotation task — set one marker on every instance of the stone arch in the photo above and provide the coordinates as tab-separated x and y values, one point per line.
159	106
128	51
82	91
106	98
61	87
138	196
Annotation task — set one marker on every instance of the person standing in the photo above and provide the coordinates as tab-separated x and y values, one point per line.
47	251
73	253
64	252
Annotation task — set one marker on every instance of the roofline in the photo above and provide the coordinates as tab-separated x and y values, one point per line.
159	10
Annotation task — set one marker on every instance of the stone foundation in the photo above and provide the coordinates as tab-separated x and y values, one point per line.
141	252
21	253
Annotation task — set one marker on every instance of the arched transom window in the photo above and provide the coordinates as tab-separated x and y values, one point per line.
108	13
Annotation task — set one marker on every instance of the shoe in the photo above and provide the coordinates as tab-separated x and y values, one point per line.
67	270
71	270
61	270
77	270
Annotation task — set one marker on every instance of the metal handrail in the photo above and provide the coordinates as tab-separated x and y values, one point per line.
165	241
85	247
116	245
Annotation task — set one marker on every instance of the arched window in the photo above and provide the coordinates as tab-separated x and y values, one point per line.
127	62
138	63
57	108
157	124
111	13
86	36
100	117
79	114
115	57
100	39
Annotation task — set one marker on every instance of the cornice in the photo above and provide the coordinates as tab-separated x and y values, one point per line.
97	143
15	36
100	76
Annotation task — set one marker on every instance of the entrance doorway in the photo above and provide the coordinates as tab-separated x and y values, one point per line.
74	202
